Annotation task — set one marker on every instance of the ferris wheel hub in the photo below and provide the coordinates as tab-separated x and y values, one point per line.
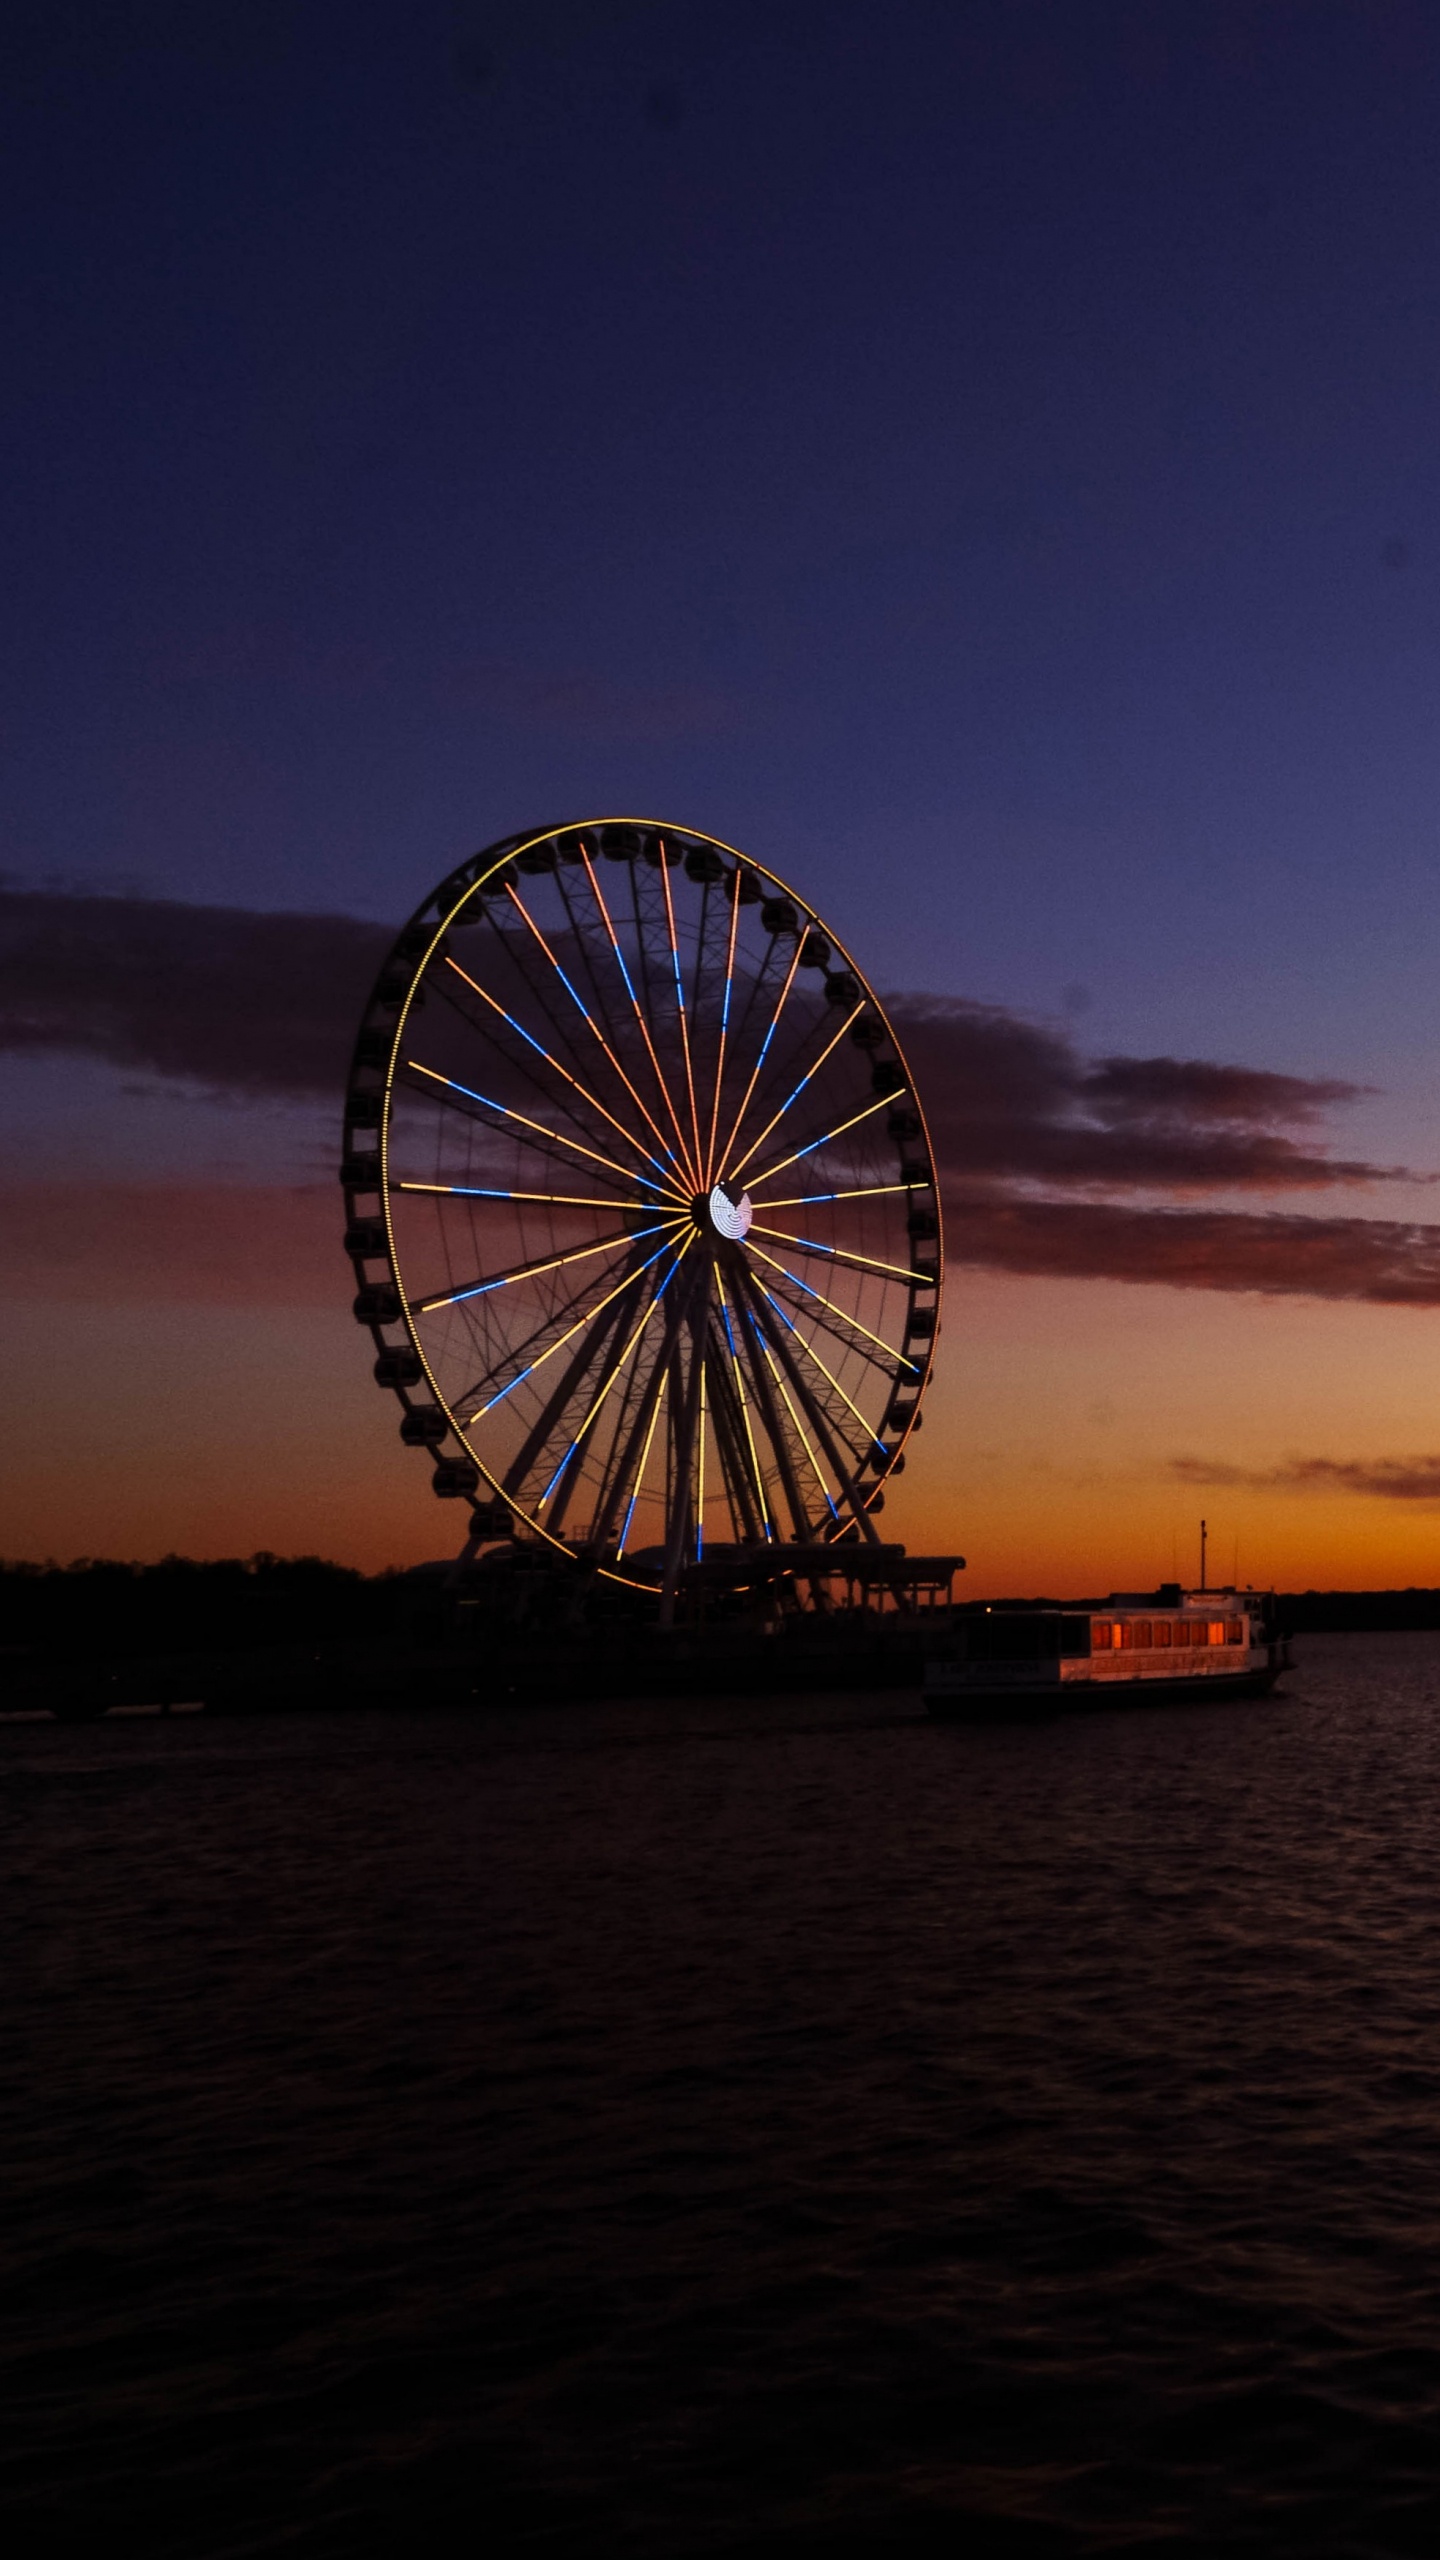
727	1212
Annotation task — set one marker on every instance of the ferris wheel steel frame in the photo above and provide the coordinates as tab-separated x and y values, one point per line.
696	1354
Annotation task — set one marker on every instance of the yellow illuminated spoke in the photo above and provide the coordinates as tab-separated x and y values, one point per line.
680	1007
573	1081
587	1317
640	1470
627	1173
764	1046
808	1078
724	1028
533	1270
837	1253
595	1408
812	1354
882	1103
864	1191
843	1313
546	1199
577	999
599	896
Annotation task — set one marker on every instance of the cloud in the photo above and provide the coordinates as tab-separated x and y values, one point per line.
1030	1134
1386	1261
1391	1479
1013	1100
225	997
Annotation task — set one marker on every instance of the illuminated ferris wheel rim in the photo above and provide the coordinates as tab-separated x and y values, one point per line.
703	1197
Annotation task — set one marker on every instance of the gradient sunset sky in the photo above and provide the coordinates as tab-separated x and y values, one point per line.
983	460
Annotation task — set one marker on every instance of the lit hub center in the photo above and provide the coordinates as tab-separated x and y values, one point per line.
726	1212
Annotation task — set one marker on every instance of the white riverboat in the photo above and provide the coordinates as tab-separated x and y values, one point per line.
1131	1649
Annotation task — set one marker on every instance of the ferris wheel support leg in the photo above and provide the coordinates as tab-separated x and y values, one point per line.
743	1493
819	1419
770	1415
698	1312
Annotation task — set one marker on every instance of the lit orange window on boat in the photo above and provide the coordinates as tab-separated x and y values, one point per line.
1217	1630
1103	1636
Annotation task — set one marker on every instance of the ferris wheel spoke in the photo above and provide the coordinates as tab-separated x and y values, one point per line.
780	1003
831	1440
640	1470
608	1320
583	938
574	1081
521	1061
616	1371
794	1095
601	1324
571	990
452	1086
652	1395
843	1313
837	1253
522	954
724	1029
760	981
882	1102
743	1408
599	896
858	1191
864	1352
517	1351
533	1270
828	1375
542	1199
680	1007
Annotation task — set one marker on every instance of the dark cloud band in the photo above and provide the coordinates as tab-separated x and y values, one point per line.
1030	1135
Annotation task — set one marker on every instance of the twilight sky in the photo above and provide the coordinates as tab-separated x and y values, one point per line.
982	459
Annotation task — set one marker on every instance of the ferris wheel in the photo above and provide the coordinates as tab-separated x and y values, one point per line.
641	1205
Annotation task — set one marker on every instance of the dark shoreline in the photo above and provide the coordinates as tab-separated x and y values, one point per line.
273	1636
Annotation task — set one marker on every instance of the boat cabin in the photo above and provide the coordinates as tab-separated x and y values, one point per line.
1158	1638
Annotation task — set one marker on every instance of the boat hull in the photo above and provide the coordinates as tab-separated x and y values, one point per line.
1018	1702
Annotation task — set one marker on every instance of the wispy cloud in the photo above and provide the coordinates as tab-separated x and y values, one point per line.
1390	1479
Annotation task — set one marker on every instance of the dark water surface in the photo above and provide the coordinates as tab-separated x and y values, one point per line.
784	2127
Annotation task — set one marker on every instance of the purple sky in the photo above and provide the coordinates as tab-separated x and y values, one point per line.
983	458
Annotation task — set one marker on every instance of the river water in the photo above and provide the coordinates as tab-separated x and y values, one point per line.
785	2127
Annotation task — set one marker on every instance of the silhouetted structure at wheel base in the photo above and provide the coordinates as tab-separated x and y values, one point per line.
520	1621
